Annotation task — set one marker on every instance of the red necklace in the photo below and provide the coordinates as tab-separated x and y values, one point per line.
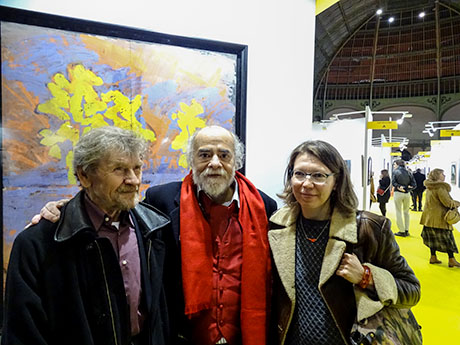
313	240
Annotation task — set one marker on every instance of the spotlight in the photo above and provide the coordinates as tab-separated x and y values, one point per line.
391	19
379	12
421	14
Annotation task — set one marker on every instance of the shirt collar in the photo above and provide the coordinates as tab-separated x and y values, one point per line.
235	197
98	217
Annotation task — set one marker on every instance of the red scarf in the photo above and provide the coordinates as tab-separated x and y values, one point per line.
196	255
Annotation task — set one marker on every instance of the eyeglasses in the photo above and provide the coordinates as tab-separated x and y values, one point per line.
315	177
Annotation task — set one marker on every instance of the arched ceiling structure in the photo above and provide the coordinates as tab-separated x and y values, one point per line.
399	58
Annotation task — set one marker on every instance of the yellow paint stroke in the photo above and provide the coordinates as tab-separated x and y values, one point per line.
80	107
188	121
211	82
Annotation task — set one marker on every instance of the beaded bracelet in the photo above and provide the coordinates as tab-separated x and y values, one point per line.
364	283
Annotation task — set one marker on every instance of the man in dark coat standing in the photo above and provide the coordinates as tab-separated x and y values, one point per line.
417	193
95	277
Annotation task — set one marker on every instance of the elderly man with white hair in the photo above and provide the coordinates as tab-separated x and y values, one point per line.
94	277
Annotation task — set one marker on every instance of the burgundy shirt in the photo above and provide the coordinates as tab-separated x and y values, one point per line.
124	241
223	319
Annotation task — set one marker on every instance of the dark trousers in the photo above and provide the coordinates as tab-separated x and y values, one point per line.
417	198
383	208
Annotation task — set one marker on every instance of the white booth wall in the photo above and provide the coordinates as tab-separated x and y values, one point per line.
381	159
348	136
280	38
446	155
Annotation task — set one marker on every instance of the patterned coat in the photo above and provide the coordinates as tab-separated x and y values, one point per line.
437	202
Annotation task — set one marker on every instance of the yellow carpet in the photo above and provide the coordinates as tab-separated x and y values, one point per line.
438	311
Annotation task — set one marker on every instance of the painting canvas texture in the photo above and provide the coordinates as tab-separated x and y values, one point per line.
58	84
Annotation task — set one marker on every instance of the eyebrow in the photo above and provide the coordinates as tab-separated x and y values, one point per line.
219	150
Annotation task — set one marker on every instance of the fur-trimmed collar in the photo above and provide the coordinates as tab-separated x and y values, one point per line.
437	185
343	226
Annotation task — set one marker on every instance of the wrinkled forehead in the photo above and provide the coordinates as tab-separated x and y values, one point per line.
120	157
217	138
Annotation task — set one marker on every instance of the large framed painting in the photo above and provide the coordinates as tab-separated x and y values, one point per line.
62	77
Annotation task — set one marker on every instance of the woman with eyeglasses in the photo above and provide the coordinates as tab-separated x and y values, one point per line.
328	257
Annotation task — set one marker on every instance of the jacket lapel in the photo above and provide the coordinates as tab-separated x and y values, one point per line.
175	217
282	244
343	229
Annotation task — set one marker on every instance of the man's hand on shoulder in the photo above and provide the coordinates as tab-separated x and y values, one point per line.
51	212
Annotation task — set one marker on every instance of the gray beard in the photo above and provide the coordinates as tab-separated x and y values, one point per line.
213	188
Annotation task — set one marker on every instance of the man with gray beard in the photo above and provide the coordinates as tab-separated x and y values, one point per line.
218	262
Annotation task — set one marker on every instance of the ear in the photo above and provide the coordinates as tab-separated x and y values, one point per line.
84	178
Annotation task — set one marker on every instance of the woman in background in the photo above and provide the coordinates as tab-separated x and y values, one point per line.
437	233
384	184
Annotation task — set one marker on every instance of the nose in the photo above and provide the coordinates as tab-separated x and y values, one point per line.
215	162
307	183
132	178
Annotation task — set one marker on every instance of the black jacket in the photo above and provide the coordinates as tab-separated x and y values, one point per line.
65	286
166	198
403	178
419	179
385	184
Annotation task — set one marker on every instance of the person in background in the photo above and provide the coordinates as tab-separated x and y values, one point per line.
385	185
417	192
372	197
218	265
437	233
332	264
404	182
96	276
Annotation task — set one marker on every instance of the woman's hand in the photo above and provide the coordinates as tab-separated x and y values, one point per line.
350	268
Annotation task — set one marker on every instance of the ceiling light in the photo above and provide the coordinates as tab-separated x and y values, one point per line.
429	132
391	19
379	12
421	14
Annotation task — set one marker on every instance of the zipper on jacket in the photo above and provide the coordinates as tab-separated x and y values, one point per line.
108	294
148	256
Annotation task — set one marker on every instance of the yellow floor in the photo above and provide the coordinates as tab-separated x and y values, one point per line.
438	311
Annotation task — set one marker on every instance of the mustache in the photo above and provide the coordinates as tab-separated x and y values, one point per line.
209	171
128	189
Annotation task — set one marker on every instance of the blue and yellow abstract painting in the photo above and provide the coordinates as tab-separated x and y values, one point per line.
58	84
